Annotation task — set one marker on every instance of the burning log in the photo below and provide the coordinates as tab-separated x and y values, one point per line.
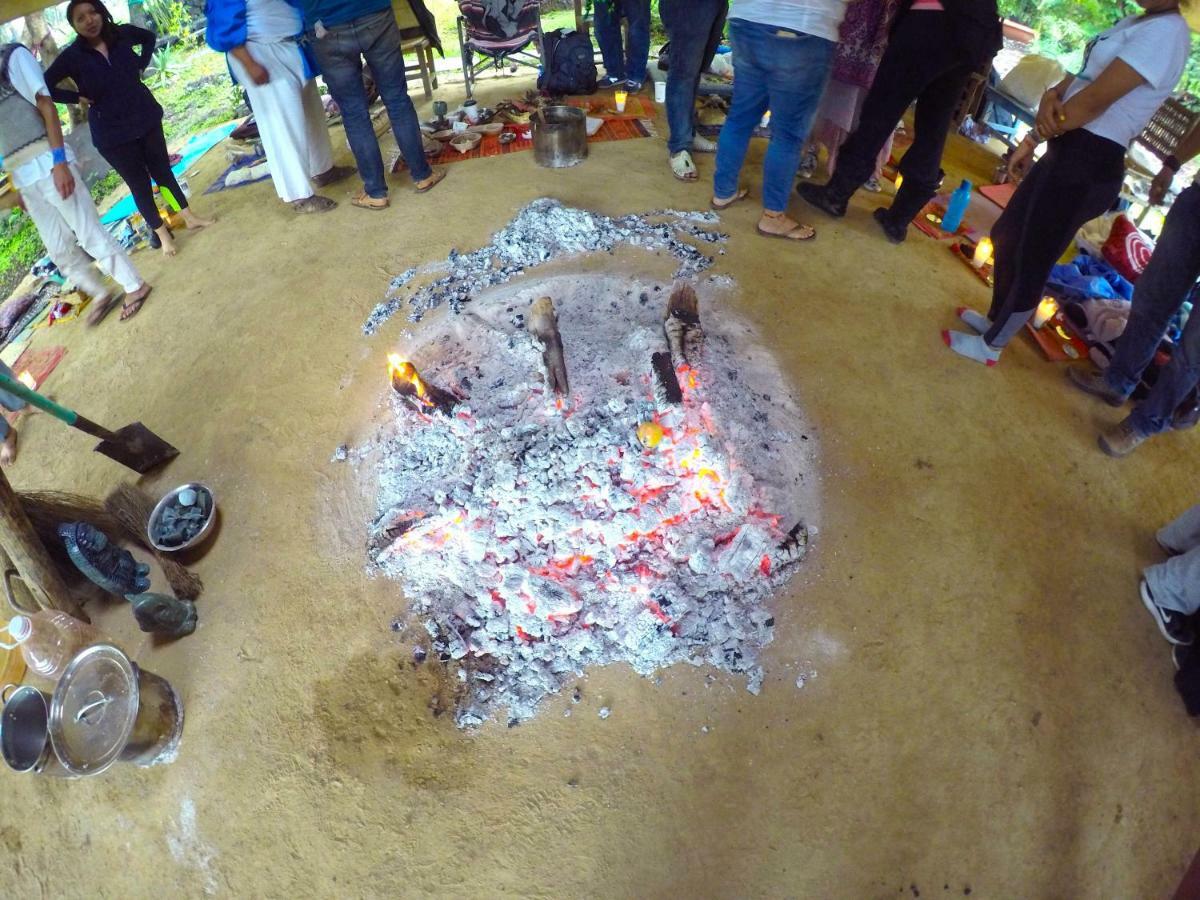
685	337
543	325
793	547
666	382
416	391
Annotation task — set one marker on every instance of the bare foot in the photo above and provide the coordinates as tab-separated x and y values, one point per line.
8	450
193	221
779	225
168	242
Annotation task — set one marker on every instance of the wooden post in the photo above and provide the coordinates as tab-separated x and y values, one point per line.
30	558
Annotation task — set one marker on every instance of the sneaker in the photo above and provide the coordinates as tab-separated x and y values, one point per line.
1173	625
634	87
701	144
607	83
1120	440
808	164
872	184
1094	383
816	195
894	233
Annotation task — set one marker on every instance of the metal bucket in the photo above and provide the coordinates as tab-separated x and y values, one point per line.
25	733
560	138
106	708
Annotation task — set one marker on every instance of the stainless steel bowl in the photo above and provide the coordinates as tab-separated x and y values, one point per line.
169	497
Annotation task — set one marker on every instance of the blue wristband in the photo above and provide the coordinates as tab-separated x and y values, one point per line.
59	155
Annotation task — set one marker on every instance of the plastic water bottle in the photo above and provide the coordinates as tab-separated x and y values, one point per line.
957	207
49	640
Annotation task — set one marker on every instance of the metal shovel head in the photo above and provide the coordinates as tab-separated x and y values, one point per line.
137	447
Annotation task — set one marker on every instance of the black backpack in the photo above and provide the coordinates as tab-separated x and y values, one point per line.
569	63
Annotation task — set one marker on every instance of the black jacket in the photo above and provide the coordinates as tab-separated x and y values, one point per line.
123	109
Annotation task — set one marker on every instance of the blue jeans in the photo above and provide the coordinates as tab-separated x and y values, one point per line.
781	70
340	54
1161	290
694	27
628	62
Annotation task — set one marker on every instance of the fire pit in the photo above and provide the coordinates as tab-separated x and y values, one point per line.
587	470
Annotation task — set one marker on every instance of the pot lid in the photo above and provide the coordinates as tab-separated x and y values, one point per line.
93	709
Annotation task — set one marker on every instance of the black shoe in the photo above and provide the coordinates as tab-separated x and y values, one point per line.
818	196
894	233
1173	625
608	83
1094	383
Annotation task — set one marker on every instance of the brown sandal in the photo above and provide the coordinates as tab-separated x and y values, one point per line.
102	308
422	187
800	233
366	201
131	308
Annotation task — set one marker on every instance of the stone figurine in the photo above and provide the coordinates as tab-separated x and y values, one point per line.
102	561
163	614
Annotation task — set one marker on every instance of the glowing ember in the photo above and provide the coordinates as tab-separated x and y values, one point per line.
534	541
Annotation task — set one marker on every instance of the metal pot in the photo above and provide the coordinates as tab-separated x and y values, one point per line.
106	708
25	733
559	136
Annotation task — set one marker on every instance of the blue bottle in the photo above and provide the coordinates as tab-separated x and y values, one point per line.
957	207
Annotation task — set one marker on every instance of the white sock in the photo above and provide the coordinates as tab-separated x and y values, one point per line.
972	346
978	321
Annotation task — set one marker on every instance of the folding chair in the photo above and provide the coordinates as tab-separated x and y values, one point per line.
479	34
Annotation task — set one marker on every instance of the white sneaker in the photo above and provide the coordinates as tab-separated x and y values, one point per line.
701	144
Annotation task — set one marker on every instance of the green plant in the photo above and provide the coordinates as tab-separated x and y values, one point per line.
171	19
165	66
20	248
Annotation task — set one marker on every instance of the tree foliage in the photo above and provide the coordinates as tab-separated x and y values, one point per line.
1065	26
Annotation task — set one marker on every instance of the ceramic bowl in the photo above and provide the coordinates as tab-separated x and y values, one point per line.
466	142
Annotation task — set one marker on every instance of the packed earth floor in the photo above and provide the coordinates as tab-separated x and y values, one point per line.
992	709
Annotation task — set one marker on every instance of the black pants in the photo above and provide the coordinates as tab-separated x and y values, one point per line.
923	63
1077	180
140	160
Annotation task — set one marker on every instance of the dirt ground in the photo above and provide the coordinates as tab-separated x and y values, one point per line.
992	715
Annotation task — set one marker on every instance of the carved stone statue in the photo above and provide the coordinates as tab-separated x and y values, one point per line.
103	562
162	614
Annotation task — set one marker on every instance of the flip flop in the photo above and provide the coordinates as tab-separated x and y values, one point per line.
792	234
103	308
131	308
742	194
366	201
431	182
683	167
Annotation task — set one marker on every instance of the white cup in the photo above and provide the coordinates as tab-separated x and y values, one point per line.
471	110
660	92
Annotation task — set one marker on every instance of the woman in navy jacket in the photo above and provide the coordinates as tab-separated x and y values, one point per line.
125	119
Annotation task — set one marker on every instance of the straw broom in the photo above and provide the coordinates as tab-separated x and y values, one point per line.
125	513
131	507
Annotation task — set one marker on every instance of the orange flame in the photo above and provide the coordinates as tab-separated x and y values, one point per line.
400	369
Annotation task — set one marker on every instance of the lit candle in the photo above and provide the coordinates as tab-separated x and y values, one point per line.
26	378
983	253
1045	311
899	181
621	97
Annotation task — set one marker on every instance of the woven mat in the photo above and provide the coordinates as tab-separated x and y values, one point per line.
39	363
611	130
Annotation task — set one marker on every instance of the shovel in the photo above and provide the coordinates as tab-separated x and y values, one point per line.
134	446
